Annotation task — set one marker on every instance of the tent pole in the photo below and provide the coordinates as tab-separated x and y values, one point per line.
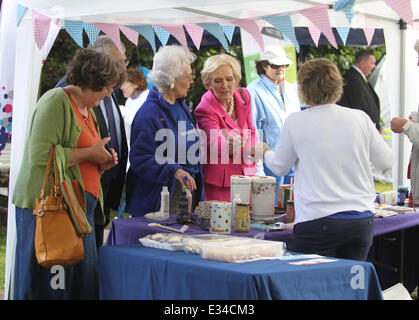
402	111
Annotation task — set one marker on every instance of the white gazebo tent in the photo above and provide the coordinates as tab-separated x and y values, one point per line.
25	58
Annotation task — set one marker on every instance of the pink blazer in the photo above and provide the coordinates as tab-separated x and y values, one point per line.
213	120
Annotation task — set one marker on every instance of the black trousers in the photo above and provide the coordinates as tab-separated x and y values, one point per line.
340	238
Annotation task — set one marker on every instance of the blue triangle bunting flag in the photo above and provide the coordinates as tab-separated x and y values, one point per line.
347	7
20	11
147	32
75	30
217	31
229	32
162	34
343	33
284	24
91	31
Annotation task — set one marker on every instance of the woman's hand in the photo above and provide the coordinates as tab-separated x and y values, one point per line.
235	143
258	151
96	154
185	179
109	164
397	124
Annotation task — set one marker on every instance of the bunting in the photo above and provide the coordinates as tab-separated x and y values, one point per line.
112	30
130	34
91	31
177	32
343	33
41	25
147	32
284	24
347	7
315	34
20	12
216	30
251	27
229	32
403	8
75	30
369	34
195	32
162	34
319	17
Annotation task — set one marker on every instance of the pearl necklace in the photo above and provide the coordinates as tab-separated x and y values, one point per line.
231	108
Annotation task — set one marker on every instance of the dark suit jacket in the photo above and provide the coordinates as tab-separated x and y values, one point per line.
358	94
112	182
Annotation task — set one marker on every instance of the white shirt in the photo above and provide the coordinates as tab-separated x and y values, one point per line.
331	147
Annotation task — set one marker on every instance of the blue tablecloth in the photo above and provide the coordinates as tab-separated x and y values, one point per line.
137	272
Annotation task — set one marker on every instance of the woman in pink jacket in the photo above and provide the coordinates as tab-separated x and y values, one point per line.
224	116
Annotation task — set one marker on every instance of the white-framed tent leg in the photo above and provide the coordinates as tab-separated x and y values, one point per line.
27	80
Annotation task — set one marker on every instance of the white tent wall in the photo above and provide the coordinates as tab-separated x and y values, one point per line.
401	59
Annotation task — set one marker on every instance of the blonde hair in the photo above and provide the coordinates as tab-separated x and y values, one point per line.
216	61
320	82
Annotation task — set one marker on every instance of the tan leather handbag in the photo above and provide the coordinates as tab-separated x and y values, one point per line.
56	239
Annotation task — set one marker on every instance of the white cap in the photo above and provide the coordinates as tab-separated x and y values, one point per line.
275	55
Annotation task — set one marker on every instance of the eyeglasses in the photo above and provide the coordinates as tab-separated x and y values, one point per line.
124	62
190	77
276	67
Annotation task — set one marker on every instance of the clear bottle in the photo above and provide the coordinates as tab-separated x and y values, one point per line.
189	197
236	200
164	202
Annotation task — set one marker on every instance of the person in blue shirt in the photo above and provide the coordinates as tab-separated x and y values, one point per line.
273	99
164	146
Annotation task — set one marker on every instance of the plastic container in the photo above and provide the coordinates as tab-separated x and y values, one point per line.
165	241
164	202
240	185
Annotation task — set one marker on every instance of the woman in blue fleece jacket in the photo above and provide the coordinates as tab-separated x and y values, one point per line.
164	148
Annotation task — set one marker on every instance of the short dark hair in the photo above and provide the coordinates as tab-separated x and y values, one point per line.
94	70
260	66
363	55
137	77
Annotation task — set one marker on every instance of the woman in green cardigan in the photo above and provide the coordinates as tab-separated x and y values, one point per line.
63	118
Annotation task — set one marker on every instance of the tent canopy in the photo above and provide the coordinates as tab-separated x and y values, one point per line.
20	54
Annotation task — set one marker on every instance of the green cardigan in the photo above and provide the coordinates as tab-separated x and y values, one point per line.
54	123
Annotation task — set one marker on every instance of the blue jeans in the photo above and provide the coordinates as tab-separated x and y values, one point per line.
31	281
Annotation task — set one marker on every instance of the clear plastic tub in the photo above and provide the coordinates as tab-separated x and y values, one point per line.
165	241
233	249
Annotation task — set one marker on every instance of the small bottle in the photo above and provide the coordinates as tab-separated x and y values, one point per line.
242	217
182	214
236	200
164	202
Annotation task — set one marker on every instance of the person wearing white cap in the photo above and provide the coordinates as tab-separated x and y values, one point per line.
273	99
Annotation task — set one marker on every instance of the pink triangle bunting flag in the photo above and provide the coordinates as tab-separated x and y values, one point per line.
40	25
195	32
112	30
403	8
315	34
177	32
130	34
320	18
251	26
369	34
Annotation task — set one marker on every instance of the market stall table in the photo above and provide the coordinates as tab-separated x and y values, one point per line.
137	272
397	261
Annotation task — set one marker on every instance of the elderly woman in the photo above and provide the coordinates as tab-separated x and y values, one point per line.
164	147
135	90
331	148
64	118
225	115
273	99
411	130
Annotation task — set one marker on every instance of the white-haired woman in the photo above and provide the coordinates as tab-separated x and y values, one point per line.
164	148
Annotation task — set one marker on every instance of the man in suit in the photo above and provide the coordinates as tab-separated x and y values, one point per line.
357	92
111	125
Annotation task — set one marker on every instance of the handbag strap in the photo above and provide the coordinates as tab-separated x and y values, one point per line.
47	173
